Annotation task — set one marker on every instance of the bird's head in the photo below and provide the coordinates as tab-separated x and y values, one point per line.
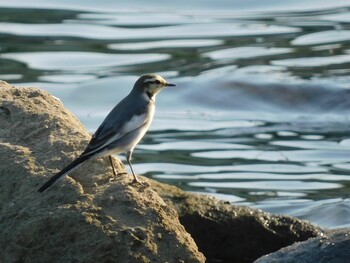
151	84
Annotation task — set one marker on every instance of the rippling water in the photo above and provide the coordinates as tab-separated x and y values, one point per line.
260	114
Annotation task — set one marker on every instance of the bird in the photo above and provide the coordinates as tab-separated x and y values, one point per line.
122	129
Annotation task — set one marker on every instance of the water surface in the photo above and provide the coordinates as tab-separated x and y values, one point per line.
260	114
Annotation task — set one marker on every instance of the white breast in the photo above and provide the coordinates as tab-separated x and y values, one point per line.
148	120
134	123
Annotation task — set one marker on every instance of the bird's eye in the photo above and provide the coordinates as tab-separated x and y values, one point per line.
157	81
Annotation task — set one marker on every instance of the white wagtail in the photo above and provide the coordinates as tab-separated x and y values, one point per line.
123	127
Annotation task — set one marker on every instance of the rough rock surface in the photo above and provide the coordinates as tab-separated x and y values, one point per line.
227	233
86	218
333	247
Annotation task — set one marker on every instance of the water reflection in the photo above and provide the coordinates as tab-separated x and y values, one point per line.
260	112
313	62
80	60
166	32
324	37
245	52
166	44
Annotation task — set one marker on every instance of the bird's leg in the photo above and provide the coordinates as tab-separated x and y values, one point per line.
115	172
112	164
128	159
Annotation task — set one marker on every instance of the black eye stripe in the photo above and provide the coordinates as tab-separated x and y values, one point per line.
152	81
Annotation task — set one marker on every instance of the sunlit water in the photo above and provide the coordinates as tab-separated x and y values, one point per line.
260	114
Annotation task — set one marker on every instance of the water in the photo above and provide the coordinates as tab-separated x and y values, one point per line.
260	114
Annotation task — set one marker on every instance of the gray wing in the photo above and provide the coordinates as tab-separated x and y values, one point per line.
123	119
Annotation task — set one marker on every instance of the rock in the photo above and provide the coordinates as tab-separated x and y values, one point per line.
227	233
88	217
333	247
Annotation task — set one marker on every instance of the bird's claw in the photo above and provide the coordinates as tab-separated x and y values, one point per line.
144	184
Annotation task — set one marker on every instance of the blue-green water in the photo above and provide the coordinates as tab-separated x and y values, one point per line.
260	114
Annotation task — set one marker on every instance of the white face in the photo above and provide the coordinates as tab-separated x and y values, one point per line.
155	84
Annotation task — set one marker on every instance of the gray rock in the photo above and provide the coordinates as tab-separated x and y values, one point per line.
333	247
87	217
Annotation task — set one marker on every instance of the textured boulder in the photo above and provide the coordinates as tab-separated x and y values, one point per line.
91	216
332	247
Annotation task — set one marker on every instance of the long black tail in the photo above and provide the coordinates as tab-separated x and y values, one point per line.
69	168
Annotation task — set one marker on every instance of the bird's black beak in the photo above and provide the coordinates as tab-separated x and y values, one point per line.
170	85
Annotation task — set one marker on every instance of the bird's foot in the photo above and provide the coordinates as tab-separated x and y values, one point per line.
144	184
116	175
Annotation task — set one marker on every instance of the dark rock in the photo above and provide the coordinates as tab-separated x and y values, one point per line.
227	233
333	247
